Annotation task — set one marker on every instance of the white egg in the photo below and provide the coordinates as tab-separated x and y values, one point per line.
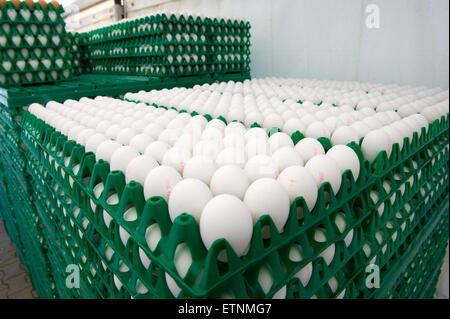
375	142
207	148
84	135
122	157
346	158
106	149
309	147
325	169
317	129
395	135
273	120
200	167
189	195
344	135
298	181
261	166
182	261
140	142
229	179
157	150
231	156
285	157
279	140
292	125
226	216
139	167
266	196
94	141
125	135
160	182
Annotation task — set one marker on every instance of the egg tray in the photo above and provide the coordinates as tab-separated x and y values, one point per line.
91	85
161	23
415	274
132	35
159	70
6	18
67	223
23	232
420	278
78	221
27	74
119	191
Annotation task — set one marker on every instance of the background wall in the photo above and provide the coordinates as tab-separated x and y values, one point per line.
328	39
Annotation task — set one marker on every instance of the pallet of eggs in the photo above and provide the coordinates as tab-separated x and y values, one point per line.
74	42
171	45
152	202
32	43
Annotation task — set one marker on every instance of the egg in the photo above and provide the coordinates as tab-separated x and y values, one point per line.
182	260
157	150
325	169
139	167
94	141
226	216
279	140
140	142
298	181
317	129
266	196
43	4
344	135
189	195
160	182
16	3
106	149
229	179
200	167
346	158
285	157
309	147
394	134
375	142
261	166
292	125
122	157
231	156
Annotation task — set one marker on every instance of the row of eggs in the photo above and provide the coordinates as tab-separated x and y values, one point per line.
317	94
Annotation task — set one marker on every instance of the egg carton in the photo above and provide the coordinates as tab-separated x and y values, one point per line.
113	176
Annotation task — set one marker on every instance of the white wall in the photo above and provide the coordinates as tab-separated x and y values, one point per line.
328	39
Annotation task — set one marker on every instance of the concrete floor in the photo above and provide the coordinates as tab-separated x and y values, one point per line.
14	280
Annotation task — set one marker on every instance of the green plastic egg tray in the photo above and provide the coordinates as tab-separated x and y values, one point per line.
106	261
33	45
170	46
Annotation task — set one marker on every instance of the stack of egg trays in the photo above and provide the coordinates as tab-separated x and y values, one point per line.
239	275
72	241
32	45
230	45
23	227
420	278
171	46
73	40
